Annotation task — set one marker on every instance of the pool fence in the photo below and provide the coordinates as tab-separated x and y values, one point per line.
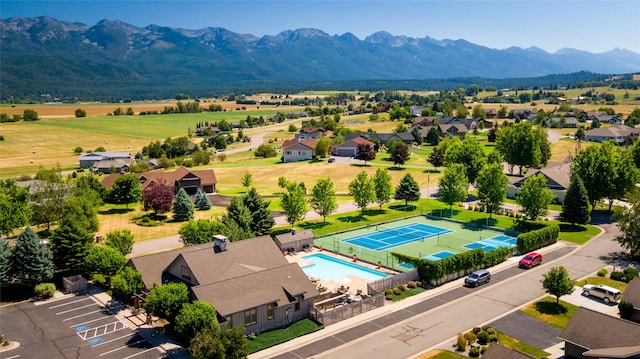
347	310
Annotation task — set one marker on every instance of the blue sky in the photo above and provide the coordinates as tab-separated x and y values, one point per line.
590	25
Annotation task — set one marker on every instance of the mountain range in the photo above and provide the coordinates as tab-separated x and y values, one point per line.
68	59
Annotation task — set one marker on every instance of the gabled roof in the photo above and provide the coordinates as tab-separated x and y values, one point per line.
354	142
613	131
585	329
558	175
104	155
453	128
303	144
497	351
287	281
207	177
290	237
632	292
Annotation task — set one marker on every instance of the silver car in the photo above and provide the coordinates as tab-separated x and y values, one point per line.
607	294
478	277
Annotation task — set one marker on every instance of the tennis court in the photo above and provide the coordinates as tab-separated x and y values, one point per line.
419	236
387	237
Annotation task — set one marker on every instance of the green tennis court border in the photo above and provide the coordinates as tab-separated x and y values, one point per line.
462	234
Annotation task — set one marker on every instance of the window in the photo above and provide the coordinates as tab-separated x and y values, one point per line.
250	317
186	273
271	311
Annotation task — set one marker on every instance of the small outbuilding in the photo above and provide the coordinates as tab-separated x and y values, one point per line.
295	241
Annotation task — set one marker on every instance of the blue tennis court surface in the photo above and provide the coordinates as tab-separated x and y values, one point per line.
440	255
395	236
493	243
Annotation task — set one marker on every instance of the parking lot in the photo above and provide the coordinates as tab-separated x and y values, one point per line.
73	327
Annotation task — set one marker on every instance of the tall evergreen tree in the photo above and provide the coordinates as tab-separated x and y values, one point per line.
238	213
408	189
70	244
182	207
32	260
5	262
261	218
575	207
202	201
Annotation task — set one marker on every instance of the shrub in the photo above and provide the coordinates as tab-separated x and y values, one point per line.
491	330
411	285
462	343
470	337
493	338
537	238
265	151
98	279
483	337
630	273
476	330
626	309
402	287
483	349
397	291
619	276
474	352
45	290
602	272
389	297
388	291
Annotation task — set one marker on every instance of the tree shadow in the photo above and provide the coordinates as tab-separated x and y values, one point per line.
485	222
360	165
403	208
445	212
116	211
352	219
313	225
396	168
431	171
566	227
550	308
599	216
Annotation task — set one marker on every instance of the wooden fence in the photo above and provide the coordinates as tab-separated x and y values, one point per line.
347	310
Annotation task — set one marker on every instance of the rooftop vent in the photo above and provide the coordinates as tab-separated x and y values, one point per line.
220	241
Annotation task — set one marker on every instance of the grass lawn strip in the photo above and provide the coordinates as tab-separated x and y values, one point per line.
551	313
275	337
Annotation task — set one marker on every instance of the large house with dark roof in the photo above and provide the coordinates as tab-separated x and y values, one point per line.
106	162
191	181
350	148
249	282
591	334
557	175
621	134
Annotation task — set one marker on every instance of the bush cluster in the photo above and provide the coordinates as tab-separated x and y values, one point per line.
434	270
625	276
602	272
45	290
537	238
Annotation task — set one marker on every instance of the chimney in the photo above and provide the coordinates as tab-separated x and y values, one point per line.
220	241
293	231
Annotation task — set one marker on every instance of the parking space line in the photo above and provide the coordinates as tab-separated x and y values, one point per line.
114	339
63	304
117	326
74	309
13	357
142	352
126	346
87	322
81	315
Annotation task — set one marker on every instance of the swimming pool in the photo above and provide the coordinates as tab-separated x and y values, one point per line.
328	268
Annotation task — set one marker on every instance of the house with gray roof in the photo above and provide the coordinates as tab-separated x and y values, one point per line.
591	334
557	175
249	282
621	134
632	294
87	160
498	351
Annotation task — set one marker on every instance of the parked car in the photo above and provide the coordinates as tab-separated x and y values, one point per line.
331	160
478	277
530	260
606	293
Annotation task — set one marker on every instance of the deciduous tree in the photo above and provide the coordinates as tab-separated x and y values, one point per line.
365	152
211	343
158	198
47	194
400	154
195	317
323	198
534	197
407	189
126	190
433	138
104	260
436	158
453	185
492	187
294	202
126	283
468	153
120	239
166	300
558	283
14	206
200	231
322	146
629	224
382	186
362	190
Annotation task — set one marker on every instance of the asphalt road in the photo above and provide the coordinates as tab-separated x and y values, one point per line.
407	331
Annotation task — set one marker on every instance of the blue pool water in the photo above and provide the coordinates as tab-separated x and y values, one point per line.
329	268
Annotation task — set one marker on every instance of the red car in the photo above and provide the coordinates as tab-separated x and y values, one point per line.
530	260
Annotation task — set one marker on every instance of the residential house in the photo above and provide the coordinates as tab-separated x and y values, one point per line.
498	351
416	110
405	137
632	294
562	122
207	130
298	150
557	176
525	113
469	123
350	148
249	282
299	114
451	130
592	115
621	134
119	165
610	119
591	334
383	107
191	181
277	118
87	160
307	133
295	240
491	112
424	121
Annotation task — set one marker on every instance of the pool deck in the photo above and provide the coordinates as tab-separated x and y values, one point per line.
354	283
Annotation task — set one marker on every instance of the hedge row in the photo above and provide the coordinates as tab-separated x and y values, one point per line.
538	238
435	270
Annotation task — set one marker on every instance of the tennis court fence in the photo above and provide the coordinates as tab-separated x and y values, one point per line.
380	285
